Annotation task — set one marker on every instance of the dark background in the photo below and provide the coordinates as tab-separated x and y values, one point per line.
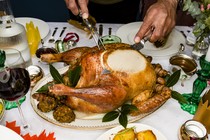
47	10
56	11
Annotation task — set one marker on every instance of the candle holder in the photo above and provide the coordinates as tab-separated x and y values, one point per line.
198	86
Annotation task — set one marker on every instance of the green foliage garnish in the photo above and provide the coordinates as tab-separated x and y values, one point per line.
173	79
177	96
74	75
44	88
55	74
200	11
110	116
121	113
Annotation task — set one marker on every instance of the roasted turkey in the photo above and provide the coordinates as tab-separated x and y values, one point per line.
108	78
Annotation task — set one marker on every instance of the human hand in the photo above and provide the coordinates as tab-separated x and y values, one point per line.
161	17
77	6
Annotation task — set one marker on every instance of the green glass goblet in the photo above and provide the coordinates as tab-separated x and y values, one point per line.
198	86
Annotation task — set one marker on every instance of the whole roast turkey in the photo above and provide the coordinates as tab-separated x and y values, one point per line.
108	79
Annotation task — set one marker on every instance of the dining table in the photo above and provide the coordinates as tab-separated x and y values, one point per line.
167	119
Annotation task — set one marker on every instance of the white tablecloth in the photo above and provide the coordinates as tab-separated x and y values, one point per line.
167	119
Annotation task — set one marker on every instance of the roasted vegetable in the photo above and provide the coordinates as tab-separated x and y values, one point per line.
125	134
146	135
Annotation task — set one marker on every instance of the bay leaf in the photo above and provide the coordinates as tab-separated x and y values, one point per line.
177	96
55	74
173	79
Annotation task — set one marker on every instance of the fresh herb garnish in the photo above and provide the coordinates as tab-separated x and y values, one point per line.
173	79
74	75
177	96
121	113
44	88
55	74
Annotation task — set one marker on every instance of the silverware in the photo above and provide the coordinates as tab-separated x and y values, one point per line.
59	39
51	40
140	45
95	34
100	30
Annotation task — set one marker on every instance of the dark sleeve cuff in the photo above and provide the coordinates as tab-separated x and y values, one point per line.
179	5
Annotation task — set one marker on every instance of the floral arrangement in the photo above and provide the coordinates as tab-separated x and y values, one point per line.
199	10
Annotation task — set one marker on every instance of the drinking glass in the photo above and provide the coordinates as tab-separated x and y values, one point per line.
14	79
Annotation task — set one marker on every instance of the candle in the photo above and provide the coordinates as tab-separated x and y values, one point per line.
207	58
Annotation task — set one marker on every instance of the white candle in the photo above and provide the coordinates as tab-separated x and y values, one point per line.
207	58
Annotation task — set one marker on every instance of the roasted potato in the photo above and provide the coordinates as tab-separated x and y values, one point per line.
125	134
146	135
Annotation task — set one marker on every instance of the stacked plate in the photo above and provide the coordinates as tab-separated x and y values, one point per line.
127	33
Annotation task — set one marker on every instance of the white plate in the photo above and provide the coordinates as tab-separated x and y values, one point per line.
8	134
127	33
82	121
109	135
42	25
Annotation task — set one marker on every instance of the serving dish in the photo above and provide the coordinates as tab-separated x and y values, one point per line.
128	31
109	135
82	121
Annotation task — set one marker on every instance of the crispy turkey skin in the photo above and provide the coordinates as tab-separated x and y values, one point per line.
108	79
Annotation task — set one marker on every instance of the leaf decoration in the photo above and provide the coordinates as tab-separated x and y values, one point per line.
177	96
122	113
110	116
123	120
127	108
173	79
55	74
74	75
44	88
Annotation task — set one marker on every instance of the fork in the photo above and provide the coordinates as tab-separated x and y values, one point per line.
95	34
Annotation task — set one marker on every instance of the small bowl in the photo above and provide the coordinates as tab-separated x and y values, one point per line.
110	39
185	62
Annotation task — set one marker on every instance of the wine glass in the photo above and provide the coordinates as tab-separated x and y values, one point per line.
14	79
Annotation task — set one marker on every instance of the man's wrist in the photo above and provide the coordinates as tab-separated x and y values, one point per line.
172	3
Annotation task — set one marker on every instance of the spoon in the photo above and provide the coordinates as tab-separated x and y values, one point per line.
51	40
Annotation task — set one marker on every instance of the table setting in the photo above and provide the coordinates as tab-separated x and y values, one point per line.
52	82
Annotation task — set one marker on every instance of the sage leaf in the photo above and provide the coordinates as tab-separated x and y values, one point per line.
173	79
123	120
44	88
177	96
110	116
74	75
55	74
127	108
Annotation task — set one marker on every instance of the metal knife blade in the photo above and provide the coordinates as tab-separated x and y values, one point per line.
95	34
140	45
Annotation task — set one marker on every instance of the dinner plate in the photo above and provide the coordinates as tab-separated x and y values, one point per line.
8	134
82	121
42	25
128	31
109	135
